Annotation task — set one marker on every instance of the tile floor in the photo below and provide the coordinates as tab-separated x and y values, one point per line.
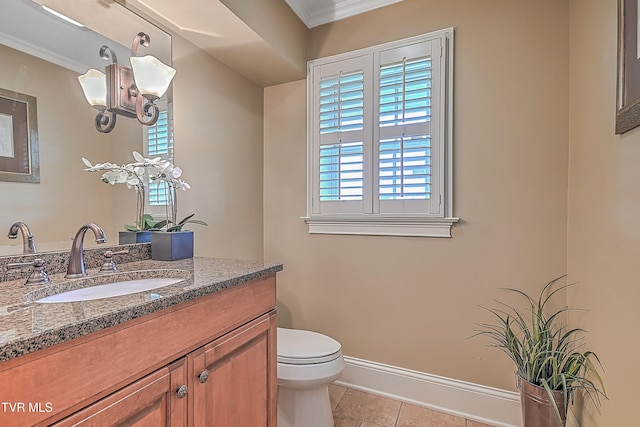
353	408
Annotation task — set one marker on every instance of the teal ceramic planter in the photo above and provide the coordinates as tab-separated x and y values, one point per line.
171	246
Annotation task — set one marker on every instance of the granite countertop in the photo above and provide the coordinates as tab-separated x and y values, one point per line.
26	326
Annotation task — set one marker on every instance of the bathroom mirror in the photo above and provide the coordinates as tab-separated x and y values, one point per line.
42	55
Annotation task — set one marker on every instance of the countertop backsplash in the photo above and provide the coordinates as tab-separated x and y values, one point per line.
57	262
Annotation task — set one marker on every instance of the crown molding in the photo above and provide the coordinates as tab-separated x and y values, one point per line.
314	13
302	9
43	53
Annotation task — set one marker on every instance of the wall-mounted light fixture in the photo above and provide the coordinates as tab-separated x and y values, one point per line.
120	90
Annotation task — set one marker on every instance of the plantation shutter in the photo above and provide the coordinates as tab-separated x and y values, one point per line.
406	166
341	126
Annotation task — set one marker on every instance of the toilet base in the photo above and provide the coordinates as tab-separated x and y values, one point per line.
304	407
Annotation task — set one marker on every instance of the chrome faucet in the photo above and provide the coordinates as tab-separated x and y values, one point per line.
28	241
76	257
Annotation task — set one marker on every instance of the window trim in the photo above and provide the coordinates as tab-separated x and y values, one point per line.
380	224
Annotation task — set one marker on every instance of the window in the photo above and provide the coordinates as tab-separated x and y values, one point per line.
380	139
159	143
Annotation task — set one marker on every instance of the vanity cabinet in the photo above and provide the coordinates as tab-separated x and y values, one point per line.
229	385
221	346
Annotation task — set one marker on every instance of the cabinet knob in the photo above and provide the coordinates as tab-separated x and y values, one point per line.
182	392
203	377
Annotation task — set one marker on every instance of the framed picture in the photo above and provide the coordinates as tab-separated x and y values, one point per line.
628	94
19	159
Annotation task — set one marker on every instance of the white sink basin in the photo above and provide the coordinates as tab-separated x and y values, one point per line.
115	289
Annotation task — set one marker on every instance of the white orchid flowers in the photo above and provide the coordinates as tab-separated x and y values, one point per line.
132	174
137	175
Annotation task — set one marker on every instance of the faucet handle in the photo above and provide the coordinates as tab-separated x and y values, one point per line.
38	276
110	265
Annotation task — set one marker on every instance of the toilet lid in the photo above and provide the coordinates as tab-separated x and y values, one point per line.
299	347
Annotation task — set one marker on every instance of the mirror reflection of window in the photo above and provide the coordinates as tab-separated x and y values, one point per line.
158	142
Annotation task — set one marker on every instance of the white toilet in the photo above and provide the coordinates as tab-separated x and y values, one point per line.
307	363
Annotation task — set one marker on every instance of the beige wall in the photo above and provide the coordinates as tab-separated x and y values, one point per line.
604	211
218	137
412	302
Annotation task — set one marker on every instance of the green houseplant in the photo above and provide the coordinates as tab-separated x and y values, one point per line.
152	225
551	363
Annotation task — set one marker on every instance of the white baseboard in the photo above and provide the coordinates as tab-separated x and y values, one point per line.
488	405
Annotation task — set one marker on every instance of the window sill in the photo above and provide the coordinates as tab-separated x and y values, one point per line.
381	226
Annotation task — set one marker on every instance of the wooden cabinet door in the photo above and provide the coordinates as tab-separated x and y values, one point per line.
234	378
152	401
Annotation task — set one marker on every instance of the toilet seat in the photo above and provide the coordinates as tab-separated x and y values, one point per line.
300	347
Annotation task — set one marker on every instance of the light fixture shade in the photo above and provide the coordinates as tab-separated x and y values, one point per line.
94	86
152	76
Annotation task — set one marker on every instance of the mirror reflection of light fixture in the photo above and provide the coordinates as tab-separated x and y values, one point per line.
130	92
